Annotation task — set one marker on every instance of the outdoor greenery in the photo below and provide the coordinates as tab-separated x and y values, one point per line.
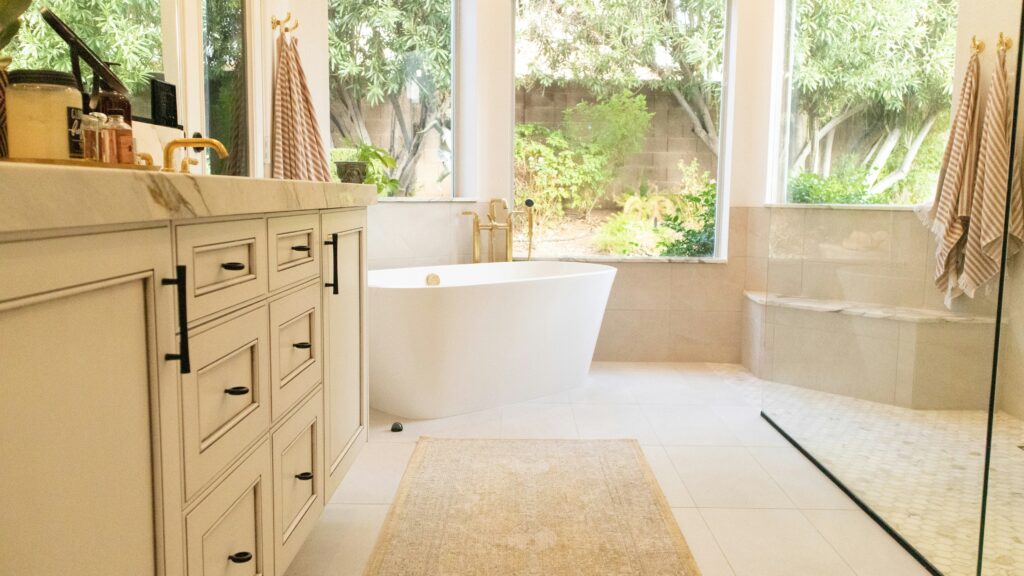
124	31
398	54
570	167
379	165
870	109
674	224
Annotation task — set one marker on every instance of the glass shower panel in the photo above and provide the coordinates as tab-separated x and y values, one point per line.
875	376
226	84
1003	536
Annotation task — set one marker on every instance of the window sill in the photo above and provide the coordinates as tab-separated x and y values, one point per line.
633	260
855	207
437	200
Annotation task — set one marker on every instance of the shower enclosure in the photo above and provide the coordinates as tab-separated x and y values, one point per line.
914	408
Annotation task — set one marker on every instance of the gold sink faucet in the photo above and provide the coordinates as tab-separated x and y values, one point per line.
173	145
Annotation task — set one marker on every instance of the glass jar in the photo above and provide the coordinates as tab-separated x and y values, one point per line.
44	110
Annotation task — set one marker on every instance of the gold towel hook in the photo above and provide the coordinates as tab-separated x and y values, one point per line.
1005	43
977	46
292	28
276	22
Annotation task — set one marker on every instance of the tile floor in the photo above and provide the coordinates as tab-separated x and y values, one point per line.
747	502
921	470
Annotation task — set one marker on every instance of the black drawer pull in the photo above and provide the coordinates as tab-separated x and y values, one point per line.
302	345
233	266
240	557
237	391
304	476
183	354
300	248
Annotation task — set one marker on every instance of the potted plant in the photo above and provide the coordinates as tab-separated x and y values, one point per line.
10	23
366	164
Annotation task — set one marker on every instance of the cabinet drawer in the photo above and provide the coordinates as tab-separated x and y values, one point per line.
294	249
230	532
295	365
298	479
226	398
226	264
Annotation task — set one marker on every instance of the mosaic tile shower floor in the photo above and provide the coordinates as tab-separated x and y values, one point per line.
921	470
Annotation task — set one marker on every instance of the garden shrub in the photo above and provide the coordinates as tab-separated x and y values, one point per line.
693	221
570	168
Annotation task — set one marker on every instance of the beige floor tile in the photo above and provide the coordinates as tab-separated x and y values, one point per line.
805	485
726	477
688	426
773	543
710	558
863	544
375	475
673	487
746	424
342	542
605	421
538	421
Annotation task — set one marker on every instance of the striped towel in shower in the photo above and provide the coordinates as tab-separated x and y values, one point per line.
952	206
983	251
297	152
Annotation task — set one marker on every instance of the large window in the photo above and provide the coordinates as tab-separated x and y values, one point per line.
617	125
391	92
867	114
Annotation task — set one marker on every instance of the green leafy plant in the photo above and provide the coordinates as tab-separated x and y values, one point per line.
570	168
693	221
379	166
624	234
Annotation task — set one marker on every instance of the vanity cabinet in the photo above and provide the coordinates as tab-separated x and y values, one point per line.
346	360
89	437
164	408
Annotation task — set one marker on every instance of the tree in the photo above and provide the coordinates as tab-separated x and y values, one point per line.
124	31
885	64
395	53
607	46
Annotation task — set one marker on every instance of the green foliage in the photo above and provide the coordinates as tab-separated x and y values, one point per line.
694	219
379	165
10	19
809	188
616	126
124	31
569	168
377	47
624	234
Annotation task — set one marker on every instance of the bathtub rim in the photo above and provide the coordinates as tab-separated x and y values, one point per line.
584	269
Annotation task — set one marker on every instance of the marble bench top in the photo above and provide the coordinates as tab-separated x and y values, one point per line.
40	197
865	310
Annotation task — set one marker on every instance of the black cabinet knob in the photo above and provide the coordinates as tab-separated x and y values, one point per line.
237	391
302	345
300	248
304	476
233	266
240	557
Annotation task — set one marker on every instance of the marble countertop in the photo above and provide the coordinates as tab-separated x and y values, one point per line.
39	197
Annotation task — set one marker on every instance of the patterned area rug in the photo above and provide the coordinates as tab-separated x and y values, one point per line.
530	507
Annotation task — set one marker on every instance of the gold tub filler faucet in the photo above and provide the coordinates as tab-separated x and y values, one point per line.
493	226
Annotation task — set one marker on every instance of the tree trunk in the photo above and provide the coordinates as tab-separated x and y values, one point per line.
708	134
826	155
900	174
882	157
826	131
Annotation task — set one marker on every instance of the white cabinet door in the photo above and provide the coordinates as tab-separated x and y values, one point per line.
344	305
88	416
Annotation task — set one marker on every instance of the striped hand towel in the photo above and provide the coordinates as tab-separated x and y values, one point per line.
952	206
983	252
297	151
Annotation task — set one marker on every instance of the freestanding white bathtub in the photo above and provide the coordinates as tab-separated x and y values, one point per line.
487	335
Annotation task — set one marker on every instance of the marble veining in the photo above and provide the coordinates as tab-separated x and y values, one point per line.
865	310
39	197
